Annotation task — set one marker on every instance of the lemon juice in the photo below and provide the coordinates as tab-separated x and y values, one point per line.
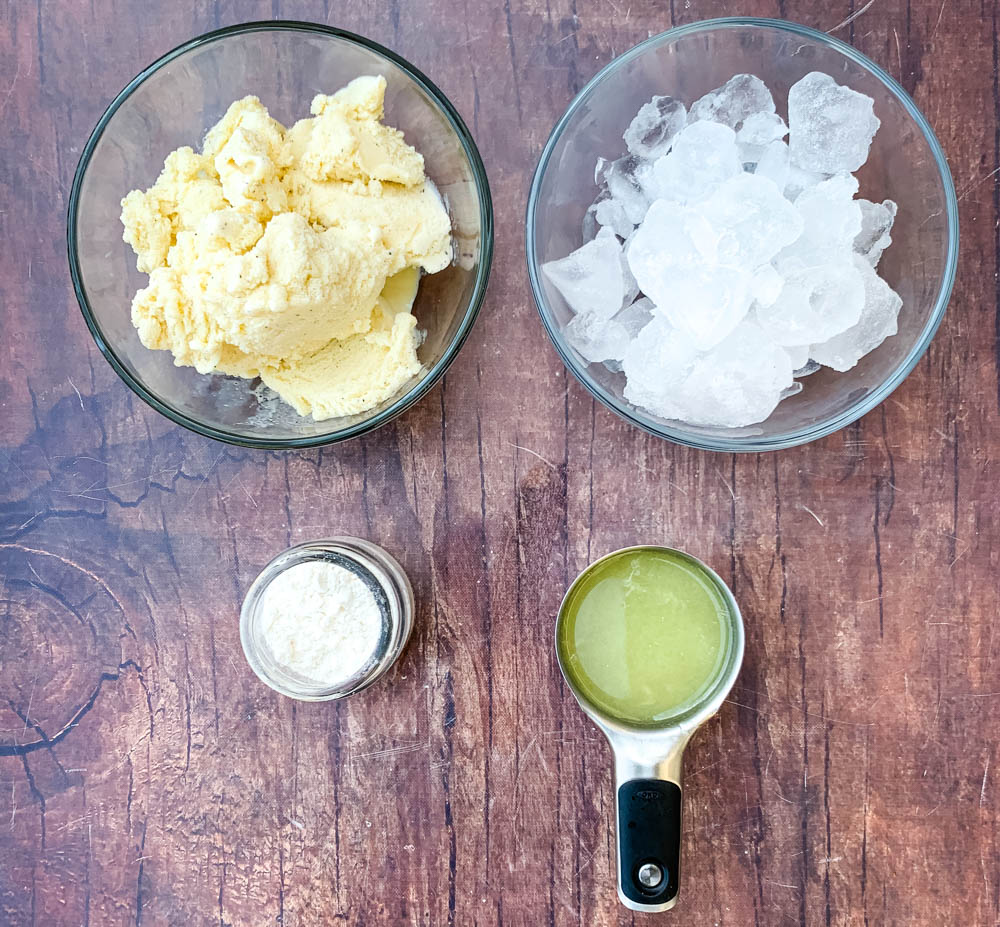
644	635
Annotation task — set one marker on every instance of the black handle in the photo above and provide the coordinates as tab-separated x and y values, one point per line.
649	840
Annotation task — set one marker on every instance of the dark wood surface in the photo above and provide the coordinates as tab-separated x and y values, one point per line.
147	777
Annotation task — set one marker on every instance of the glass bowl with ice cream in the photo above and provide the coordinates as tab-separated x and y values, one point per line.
280	234
742	235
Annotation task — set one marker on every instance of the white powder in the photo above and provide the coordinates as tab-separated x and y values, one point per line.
320	620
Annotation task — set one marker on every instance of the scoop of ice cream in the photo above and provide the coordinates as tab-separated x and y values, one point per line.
186	191
245	148
269	253
346	139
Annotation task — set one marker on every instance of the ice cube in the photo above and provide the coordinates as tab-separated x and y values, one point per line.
636	317
628	180
731	104
765	285
829	209
831	220
605	211
877	322
876	224
630	284
798	354
707	301
627	244
671	235
597	338
610	213
591	279
754	220
791	180
673	256
831	126
816	303
799	180
703	155
600	168
757	133
652	131
655	365
628	280
790	391
737	383
773	164
591	226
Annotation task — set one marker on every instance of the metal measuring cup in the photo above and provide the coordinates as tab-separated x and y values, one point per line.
648	766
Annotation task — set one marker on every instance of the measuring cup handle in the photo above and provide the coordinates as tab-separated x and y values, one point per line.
649	843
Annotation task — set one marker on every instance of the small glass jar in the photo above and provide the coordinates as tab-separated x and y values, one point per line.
392	590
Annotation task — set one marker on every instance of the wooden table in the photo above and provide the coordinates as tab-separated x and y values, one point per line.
147	777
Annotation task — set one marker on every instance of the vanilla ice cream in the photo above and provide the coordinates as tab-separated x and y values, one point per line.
292	254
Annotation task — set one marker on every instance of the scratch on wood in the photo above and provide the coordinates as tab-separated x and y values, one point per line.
937	25
965	550
805	508
535	453
93	488
585	863
970	186
41	582
21	527
204	480
725	483
10	90
819	719
389	751
78	396
852	17
31	694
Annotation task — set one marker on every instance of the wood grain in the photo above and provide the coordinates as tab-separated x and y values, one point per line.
146	777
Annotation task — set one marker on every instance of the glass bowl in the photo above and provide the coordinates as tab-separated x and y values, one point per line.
380	571
173	103
906	164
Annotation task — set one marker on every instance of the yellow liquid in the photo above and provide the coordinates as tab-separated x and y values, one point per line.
400	290
644	635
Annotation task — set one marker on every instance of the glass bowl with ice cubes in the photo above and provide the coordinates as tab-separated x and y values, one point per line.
742	235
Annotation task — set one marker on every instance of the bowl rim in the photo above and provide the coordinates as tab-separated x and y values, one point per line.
418	390
752	443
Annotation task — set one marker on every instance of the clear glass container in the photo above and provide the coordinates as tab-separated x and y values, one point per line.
906	164
174	102
392	590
